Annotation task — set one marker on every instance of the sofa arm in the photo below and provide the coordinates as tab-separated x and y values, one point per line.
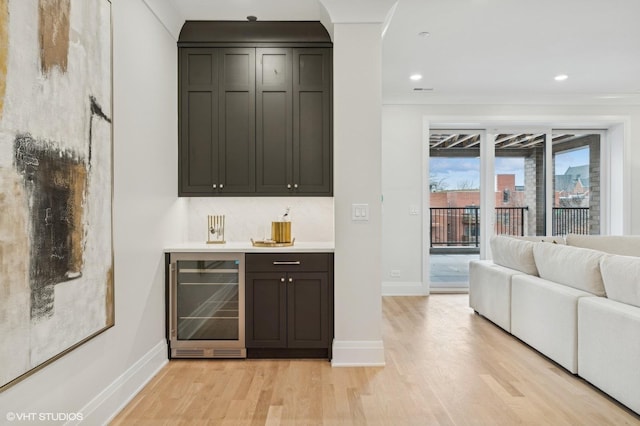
609	348
490	291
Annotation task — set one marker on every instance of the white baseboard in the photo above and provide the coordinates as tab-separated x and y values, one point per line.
408	288
358	353
106	405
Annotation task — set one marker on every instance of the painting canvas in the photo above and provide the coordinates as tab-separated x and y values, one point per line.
56	250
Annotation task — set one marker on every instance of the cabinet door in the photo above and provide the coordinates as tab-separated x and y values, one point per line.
274	157
198	104
308	310
237	121
312	138
266	312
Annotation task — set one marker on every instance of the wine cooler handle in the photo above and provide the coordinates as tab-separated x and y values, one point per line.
282	262
172	308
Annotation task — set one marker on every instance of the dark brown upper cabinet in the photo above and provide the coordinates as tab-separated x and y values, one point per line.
274	120
255	111
217	121
293	116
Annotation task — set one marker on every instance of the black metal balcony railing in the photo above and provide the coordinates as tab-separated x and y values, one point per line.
460	226
570	220
510	220
455	226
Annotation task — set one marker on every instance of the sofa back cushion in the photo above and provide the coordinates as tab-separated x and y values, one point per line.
621	276
626	245
571	266
544	239
513	253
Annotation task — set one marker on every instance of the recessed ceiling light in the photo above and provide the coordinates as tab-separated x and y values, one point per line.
424	33
561	77
611	97
416	77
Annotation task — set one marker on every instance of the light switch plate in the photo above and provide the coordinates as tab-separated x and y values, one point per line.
360	212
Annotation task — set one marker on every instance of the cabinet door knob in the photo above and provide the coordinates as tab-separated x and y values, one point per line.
221	186
215	186
282	279
290	280
295	186
288	186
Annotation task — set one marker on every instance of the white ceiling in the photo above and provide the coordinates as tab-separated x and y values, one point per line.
237	10
483	51
487	51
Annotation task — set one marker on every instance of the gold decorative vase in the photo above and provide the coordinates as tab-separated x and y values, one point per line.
281	232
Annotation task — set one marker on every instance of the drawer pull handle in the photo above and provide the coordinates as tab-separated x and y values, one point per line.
283	262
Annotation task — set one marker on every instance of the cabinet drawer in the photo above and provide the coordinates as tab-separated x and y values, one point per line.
287	262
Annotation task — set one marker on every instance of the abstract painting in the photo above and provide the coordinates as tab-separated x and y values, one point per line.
56	247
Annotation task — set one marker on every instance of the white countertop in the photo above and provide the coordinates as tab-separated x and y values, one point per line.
246	247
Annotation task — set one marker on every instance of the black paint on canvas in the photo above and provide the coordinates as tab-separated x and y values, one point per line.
96	110
55	181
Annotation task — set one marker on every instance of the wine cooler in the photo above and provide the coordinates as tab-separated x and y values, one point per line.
206	318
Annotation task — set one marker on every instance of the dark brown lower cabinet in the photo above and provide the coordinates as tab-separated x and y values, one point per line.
289	305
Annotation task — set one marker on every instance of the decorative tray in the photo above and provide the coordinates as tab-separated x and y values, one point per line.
271	243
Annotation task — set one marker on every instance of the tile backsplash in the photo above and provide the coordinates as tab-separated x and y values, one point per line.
312	218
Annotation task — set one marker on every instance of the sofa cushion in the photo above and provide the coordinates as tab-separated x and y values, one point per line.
543	239
513	253
545	315
625	245
621	277
572	266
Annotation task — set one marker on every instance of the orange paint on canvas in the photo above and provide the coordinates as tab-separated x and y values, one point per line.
53	33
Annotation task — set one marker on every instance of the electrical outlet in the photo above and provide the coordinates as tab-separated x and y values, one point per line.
395	273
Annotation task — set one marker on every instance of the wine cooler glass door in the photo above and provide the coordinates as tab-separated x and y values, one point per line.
208	300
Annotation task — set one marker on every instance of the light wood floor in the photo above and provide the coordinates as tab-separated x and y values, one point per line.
445	366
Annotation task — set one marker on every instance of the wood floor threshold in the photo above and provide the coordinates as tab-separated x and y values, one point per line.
445	365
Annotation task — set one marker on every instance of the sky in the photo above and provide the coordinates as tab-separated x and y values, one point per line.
458	172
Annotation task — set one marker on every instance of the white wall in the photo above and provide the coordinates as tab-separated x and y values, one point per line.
402	145
402	136
357	159
100	375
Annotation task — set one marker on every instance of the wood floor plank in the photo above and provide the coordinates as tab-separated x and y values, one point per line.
444	366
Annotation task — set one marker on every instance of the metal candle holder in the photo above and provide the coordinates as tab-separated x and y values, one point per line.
215	229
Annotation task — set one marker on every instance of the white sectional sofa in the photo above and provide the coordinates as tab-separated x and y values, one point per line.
576	301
